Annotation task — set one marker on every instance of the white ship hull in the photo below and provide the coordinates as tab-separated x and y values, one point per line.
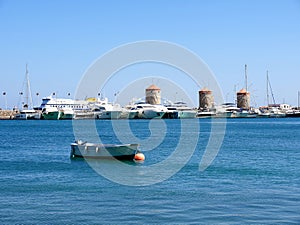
28	115
187	114
107	115
150	114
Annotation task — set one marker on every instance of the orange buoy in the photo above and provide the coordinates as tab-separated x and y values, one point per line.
139	157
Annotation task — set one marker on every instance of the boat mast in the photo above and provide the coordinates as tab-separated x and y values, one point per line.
298	99
267	88
246	78
269	83
28	97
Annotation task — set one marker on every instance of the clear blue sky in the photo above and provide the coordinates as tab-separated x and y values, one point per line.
59	39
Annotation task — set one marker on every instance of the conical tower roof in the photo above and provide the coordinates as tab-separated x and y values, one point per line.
242	91
205	90
152	87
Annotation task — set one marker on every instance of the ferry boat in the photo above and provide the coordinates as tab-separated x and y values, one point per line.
51	113
61	103
67	114
63	108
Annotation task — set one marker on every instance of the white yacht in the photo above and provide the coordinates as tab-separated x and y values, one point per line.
240	113
172	112
129	112
107	110
148	111
184	112
230	110
109	114
276	113
225	110
206	114
28	114
179	110
273	110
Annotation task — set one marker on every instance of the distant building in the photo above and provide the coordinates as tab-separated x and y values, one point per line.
243	99
206	99
153	95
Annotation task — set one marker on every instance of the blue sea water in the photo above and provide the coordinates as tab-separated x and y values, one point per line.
255	178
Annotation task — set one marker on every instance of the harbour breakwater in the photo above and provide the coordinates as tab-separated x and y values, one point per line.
7	114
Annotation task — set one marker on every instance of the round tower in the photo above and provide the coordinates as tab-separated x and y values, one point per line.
206	99
153	95
243	99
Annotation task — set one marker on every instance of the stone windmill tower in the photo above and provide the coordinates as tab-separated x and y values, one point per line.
206	99
243	99
153	95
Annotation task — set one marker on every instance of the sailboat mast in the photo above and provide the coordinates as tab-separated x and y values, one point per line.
298	99
269	83
26	87
246	78
28	97
268	88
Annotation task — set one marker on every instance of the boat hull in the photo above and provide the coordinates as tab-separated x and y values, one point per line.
67	116
28	116
295	114
108	115
241	114
277	115
55	115
206	114
225	114
100	151
85	115
150	114
187	114
133	114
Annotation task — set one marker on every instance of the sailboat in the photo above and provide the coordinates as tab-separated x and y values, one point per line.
27	113
272	110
